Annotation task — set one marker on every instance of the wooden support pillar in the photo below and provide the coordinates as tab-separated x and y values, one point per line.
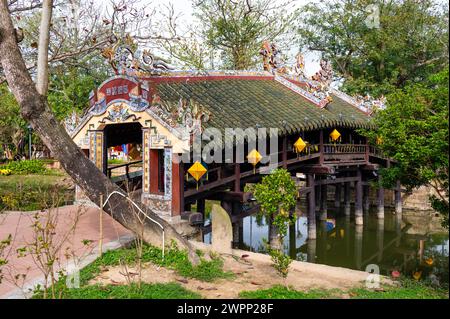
317	196
237	181
235	234
323	202
380	200
347	198
201	206
398	198
358	199
366	198
337	195
321	150
311	207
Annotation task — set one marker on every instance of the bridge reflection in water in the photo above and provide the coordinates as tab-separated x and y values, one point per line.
385	243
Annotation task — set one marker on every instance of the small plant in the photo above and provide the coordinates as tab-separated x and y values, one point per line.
4	244
280	261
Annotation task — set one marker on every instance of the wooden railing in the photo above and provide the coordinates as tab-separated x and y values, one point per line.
126	165
344	148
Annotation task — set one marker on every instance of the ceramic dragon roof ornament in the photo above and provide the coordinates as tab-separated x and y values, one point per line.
271	58
299	67
322	81
371	104
186	115
126	59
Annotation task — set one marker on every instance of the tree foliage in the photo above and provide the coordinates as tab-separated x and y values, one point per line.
237	28
12	126
409	43
414	132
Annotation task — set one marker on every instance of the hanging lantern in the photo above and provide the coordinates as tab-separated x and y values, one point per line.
254	158
335	135
197	170
299	146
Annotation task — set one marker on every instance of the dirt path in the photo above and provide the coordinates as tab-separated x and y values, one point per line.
251	273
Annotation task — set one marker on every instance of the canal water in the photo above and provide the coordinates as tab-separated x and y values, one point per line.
389	245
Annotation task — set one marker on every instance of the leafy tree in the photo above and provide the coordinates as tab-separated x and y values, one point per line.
70	86
237	28
409	43
414	132
12	126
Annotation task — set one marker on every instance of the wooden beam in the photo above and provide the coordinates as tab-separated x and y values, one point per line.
337	180
229	196
304	190
317	169
284	152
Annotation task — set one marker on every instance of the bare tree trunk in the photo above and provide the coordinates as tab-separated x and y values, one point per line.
34	108
44	39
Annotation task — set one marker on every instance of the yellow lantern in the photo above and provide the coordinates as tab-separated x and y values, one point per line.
300	145
254	157
335	135
429	261
197	170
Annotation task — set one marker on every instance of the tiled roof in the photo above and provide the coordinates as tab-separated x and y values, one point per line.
257	101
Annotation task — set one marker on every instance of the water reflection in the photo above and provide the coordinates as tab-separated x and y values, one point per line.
384	242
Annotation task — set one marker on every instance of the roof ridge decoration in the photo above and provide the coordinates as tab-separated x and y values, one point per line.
318	87
187	116
126	59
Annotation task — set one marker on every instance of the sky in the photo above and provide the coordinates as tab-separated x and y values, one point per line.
311	58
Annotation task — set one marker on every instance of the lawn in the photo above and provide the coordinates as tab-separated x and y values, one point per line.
408	289
35	192
174	259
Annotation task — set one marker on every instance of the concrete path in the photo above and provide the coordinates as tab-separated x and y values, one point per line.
19	225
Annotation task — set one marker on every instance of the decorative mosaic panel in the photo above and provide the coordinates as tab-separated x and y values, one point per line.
168	172
96	148
146	160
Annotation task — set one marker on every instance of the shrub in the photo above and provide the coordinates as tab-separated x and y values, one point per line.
26	167
5	172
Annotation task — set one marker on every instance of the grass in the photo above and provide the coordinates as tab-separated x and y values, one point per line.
114	161
174	259
146	291
281	292
408	289
33	192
